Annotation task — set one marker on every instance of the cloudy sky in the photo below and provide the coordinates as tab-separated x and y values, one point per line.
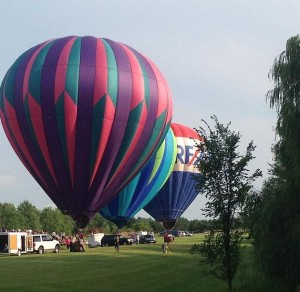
215	55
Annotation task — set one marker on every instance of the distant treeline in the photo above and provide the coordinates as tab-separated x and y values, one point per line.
26	216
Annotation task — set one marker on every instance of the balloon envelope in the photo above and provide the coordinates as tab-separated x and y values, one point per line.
84	115
179	190
141	190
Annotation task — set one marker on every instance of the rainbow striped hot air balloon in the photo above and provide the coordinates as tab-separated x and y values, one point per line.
143	188
84	115
179	190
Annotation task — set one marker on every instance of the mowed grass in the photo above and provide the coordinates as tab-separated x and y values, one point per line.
134	268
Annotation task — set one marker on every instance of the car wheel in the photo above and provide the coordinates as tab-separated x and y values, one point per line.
106	244
56	250
40	250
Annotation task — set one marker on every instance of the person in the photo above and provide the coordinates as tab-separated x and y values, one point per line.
73	243
117	243
137	239
81	244
68	242
167	239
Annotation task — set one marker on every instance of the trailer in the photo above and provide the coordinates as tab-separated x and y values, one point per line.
16	242
94	240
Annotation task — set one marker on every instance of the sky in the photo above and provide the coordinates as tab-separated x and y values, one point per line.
215	55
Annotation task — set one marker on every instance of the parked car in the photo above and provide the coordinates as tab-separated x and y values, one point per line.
147	239
42	242
187	233
109	240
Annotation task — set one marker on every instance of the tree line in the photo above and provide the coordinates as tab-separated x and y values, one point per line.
28	217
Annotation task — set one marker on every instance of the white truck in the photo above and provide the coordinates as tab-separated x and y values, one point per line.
94	240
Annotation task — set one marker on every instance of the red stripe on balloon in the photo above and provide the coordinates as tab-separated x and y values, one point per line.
15	129
38	127
183	131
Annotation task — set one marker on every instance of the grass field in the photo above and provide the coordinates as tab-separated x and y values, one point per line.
134	268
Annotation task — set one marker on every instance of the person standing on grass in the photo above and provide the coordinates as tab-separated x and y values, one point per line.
166	243
117	243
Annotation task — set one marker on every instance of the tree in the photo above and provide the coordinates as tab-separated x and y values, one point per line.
182	224
30	216
200	226
277	232
9	218
226	183
53	220
142	224
100	224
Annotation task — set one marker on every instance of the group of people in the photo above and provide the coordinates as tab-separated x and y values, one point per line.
75	243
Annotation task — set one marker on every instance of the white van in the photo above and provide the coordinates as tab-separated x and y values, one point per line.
94	240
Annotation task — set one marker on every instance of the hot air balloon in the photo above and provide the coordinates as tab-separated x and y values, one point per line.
84	115
140	191
179	190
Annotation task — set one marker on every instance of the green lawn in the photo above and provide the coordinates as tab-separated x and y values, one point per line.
135	268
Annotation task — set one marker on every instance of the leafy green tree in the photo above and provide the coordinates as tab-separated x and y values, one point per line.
200	226
226	183
52	220
182	224
277	232
29	216
9	217
142	225
249	214
100	224
156	226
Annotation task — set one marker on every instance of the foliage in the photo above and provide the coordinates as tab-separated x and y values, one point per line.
30	216
249	214
227	185
141	224
53	220
200	226
182	224
277	232
215	255
9	217
99	224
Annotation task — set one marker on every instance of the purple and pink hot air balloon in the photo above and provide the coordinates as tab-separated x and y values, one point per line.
84	115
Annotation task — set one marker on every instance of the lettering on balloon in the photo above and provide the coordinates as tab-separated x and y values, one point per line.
188	155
